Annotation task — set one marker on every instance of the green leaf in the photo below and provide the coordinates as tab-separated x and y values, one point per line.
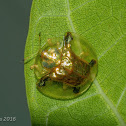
103	24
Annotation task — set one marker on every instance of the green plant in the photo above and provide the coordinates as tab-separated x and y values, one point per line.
103	24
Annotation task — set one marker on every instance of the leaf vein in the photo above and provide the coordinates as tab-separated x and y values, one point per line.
73	117
97	24
120	98
82	99
113	108
82	5
55	108
110	47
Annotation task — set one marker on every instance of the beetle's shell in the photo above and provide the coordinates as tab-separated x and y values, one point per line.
74	72
66	66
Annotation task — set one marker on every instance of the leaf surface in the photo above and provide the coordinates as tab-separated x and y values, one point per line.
103	24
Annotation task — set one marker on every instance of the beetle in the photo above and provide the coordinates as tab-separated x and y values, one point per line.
65	62
57	61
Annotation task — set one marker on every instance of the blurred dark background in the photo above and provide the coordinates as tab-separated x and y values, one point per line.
14	23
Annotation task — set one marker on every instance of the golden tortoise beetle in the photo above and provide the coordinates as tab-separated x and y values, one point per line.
65	68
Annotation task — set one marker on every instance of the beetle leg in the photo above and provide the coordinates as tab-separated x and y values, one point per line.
34	66
92	63
49	41
42	81
76	90
84	54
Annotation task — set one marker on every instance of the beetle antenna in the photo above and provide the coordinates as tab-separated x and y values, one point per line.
27	59
39	39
